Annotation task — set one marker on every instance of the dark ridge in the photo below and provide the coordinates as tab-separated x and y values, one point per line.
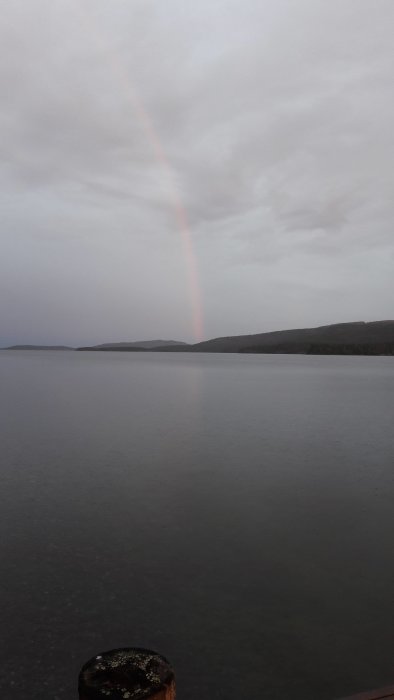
38	347
379	334
323	349
185	347
138	345
113	348
356	338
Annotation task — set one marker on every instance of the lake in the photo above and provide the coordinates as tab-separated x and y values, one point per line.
234	513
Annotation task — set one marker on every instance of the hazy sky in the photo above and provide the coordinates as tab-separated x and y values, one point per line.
173	168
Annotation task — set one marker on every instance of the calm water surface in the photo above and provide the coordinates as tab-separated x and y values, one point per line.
235	513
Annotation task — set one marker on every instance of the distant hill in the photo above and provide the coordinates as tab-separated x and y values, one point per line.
135	345
358	338
38	347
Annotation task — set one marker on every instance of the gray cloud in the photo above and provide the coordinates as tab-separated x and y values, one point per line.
270	122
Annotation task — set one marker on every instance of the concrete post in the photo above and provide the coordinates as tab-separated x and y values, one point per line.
127	674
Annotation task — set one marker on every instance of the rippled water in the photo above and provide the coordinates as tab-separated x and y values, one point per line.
235	513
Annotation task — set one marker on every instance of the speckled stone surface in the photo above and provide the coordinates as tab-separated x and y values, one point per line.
127	674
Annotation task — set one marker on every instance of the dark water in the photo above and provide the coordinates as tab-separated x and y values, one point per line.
235	513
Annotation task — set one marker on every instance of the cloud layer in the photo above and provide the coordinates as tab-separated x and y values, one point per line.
146	143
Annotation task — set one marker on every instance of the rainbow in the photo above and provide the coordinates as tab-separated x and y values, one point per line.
179	210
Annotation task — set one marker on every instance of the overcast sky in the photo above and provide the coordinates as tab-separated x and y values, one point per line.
173	168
